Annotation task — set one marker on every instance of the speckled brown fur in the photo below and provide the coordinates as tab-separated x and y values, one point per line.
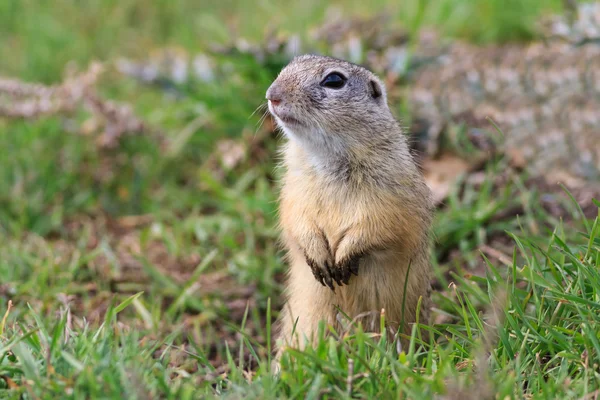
354	208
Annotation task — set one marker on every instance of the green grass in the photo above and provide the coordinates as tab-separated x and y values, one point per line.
528	328
145	272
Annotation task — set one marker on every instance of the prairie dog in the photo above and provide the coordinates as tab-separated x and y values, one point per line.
355	211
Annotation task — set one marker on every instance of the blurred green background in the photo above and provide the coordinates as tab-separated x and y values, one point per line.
185	212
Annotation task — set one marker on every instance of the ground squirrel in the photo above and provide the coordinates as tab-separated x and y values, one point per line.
355	211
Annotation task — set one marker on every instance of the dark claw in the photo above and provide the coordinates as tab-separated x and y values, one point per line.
349	266
328	279
316	271
336	274
319	276
346	276
344	272
340	273
325	275
354	265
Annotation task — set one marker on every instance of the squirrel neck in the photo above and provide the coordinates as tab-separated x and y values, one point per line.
364	158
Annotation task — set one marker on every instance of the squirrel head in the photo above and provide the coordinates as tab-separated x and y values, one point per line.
329	103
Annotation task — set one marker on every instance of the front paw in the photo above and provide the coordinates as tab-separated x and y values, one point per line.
319	257
348	266
327	272
323	270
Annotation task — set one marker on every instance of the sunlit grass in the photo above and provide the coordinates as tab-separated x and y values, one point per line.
188	312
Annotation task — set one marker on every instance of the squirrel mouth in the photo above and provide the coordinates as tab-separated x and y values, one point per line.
283	118
288	120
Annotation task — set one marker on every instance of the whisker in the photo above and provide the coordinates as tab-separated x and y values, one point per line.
258	108
260	123
262	118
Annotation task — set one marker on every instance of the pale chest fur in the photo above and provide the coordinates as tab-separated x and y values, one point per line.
334	206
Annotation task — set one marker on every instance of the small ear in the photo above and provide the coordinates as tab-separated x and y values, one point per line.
375	89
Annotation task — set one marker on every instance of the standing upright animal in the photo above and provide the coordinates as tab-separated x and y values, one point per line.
355	211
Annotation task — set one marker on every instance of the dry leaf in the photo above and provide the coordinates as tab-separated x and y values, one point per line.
442	173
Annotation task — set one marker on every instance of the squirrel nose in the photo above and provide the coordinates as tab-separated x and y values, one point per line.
274	95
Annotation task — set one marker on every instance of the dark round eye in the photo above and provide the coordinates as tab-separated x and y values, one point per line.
334	80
